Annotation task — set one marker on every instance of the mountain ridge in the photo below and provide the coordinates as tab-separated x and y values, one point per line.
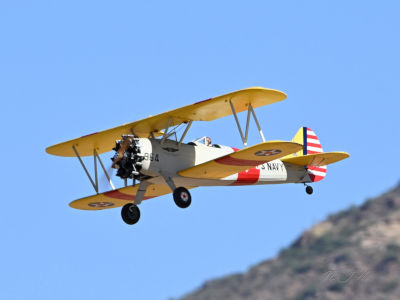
352	254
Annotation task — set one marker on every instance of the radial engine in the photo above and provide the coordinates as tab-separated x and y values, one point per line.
128	157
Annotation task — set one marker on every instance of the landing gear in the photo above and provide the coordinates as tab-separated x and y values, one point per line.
130	213
182	197
309	189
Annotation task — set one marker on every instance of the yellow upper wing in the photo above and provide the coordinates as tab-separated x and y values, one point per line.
241	160
316	160
206	110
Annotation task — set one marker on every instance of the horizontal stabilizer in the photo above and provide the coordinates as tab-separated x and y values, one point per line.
244	159
317	160
118	197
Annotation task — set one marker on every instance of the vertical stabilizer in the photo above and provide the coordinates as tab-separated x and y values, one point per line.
311	145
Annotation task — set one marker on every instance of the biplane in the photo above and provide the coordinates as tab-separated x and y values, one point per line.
152	160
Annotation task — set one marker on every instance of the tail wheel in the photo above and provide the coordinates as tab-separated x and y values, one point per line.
182	197
130	213
309	190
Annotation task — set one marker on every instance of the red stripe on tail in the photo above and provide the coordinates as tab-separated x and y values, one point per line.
310	142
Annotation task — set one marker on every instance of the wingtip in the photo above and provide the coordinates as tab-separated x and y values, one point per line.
48	150
345	154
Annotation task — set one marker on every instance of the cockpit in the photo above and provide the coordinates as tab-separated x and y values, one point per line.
206	140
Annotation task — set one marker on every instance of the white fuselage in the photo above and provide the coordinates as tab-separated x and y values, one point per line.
167	160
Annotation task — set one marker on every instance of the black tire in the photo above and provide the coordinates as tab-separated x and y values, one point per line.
130	213
309	190
182	197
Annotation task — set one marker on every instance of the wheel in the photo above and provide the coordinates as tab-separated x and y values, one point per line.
309	190
130	213
182	197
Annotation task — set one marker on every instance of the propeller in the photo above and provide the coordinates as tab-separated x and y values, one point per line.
120	148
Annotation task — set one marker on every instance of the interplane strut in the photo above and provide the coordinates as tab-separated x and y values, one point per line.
250	111
95	182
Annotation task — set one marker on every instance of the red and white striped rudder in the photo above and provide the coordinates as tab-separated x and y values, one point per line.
312	145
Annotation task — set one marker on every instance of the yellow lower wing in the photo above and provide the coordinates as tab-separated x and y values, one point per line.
319	159
241	160
118	197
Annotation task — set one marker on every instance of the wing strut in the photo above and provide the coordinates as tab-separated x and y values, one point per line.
167	134
250	110
96	157
185	132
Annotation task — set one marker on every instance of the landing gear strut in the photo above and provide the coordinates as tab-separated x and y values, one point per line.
309	189
182	197
130	213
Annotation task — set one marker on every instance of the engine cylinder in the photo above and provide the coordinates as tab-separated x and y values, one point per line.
128	157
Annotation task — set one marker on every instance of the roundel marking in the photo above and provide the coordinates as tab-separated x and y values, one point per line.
268	152
100	204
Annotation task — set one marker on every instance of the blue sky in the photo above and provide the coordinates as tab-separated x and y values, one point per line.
71	68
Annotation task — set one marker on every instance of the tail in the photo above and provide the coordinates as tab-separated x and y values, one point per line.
311	145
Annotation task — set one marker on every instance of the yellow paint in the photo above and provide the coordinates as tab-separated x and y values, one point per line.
212	109
299	139
215	170
318	159
153	190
